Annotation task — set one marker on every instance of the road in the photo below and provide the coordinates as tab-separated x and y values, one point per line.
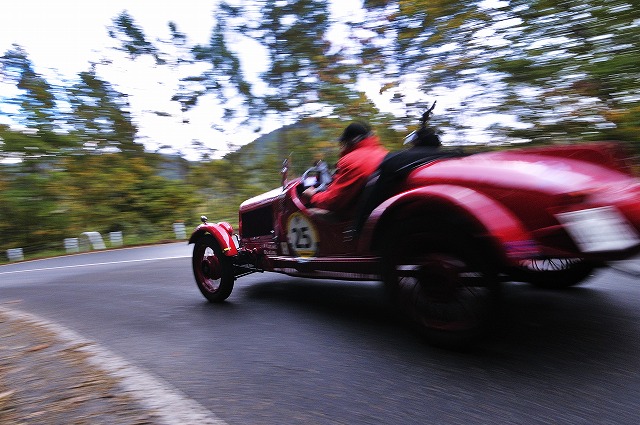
293	351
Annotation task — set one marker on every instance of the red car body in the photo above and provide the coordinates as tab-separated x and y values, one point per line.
545	215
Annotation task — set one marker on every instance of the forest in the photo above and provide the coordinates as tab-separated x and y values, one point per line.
506	72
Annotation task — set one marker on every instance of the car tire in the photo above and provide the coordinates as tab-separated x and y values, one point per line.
212	270
554	273
442	281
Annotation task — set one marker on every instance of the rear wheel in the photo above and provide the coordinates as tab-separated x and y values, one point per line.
212	270
554	273
441	281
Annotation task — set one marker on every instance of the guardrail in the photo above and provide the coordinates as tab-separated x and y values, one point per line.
15	254
93	240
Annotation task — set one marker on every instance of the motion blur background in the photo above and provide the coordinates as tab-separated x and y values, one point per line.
130	116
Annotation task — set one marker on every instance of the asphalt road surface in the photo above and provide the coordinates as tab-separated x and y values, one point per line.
294	351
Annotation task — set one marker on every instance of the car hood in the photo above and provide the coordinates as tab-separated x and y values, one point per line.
264	198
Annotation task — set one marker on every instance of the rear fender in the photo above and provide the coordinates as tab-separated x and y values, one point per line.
222	232
487	216
608	154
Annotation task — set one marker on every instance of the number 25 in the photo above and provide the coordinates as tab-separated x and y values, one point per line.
302	237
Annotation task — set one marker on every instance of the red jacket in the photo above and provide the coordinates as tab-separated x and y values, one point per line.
353	169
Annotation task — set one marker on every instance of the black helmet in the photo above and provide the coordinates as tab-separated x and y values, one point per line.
355	132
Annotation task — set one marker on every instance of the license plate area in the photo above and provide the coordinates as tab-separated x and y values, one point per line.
599	229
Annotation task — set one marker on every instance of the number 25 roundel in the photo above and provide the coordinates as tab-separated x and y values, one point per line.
302	236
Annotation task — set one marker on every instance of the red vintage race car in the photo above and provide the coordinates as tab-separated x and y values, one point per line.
442	232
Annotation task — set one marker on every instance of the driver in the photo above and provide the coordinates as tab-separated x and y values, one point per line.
360	155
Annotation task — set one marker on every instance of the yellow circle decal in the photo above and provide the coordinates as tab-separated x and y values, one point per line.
302	235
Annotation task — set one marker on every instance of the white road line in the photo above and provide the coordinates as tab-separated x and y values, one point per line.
169	404
93	264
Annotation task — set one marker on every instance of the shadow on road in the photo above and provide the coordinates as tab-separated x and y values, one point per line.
579	317
348	301
580	323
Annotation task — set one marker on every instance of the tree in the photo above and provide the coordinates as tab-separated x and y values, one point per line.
427	50
100	116
124	193
555	70
571	67
223	77
211	70
34	107
132	38
542	70
294	35
36	101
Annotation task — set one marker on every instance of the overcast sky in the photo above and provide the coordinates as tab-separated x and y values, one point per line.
64	34
61	37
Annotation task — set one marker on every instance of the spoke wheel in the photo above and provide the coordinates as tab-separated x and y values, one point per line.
212	270
441	283
554	273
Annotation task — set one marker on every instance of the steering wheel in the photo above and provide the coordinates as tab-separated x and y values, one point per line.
322	177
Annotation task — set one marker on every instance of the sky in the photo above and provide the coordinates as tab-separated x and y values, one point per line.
64	34
61	37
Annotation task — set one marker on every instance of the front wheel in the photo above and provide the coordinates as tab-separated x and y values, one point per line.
441	281
212	270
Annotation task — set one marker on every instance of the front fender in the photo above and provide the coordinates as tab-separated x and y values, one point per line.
497	222
223	234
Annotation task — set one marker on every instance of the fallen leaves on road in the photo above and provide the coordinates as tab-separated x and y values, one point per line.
44	380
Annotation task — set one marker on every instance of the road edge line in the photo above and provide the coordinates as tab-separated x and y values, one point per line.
168	404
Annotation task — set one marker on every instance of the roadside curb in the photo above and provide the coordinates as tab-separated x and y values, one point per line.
51	372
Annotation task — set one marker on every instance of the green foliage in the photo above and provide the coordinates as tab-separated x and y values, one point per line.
105	193
30	217
36	100
35	106
559	70
100	116
571	68
223	74
293	33
132	38
123	190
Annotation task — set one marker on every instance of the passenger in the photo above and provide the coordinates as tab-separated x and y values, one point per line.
360	155
424	143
